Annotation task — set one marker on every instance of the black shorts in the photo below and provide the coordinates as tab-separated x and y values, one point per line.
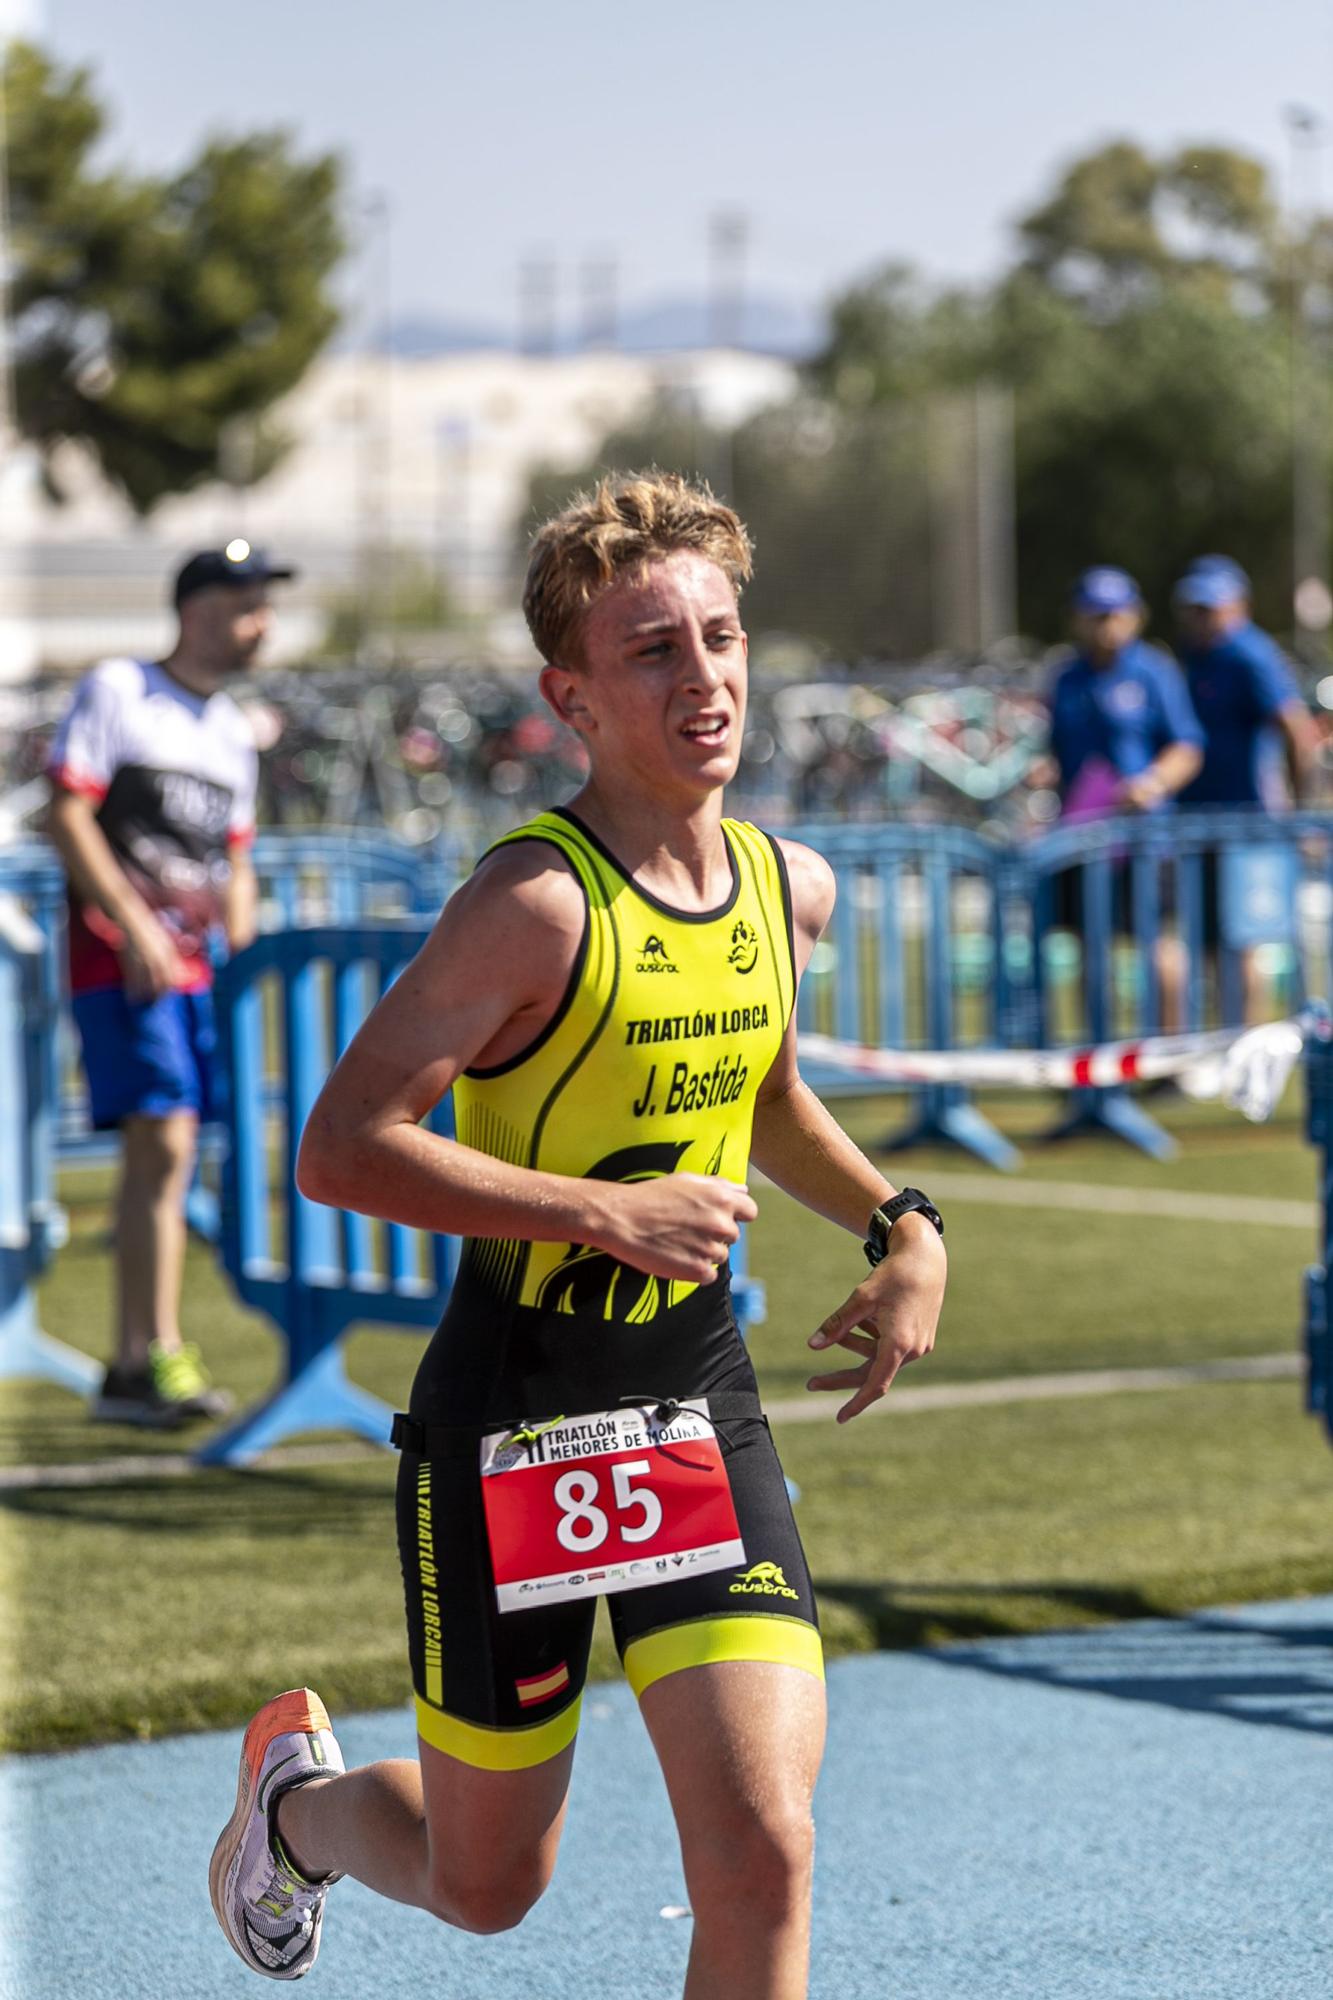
502	1690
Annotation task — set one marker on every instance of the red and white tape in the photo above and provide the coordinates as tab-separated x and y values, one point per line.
1248	1069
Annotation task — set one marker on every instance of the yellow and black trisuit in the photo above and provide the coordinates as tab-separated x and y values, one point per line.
650	1066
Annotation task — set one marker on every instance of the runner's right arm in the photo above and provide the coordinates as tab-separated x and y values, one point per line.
485	983
149	959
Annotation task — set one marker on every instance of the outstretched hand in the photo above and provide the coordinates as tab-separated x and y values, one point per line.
890	1319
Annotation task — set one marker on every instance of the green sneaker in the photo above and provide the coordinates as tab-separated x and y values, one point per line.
183	1383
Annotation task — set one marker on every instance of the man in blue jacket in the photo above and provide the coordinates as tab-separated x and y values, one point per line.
1124	739
1254	719
1244	693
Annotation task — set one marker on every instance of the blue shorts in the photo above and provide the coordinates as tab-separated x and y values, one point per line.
148	1058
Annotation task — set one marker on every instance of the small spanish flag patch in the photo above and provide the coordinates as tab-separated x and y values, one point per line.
542	1686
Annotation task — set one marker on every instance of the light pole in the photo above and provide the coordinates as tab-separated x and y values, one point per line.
375	552
1312	603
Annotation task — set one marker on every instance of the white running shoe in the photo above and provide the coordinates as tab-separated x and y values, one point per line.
270	1914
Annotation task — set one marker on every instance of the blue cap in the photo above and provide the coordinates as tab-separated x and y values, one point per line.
1100	590
238	563
1210	581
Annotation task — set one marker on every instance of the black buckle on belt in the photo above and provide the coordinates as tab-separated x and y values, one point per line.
434	1440
407	1434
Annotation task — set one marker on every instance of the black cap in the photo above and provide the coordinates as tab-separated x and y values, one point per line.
236	564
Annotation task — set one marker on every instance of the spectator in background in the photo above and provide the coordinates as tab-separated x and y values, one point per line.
1244	694
1124	739
153	776
1254	719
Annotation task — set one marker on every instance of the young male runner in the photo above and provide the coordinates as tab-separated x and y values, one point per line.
610	997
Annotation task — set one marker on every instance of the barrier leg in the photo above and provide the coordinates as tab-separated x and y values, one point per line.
25	1351
31	1222
319	1397
201	1211
1114	1110
946	1113
1317	1356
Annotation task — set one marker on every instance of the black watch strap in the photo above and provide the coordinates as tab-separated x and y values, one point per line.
910	1201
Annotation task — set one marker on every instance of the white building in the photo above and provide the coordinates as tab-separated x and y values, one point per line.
430	456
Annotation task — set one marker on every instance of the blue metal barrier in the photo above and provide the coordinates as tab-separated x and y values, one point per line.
915	958
1200	885
32	1225
346	877
287	1008
303	878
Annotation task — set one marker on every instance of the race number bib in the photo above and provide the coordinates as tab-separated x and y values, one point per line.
611	1501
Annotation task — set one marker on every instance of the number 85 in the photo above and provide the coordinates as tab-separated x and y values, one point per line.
583	1525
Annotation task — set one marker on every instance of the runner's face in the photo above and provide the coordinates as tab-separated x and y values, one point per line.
660	692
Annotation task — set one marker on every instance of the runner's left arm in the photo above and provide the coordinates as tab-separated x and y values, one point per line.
891	1316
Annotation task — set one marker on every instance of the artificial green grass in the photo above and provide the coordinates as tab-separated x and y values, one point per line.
166	1604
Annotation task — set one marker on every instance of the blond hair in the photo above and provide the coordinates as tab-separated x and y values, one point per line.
629	520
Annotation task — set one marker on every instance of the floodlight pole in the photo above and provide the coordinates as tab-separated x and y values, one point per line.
375	554
8	409
1306	132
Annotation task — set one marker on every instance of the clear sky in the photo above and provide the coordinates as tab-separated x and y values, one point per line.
847	132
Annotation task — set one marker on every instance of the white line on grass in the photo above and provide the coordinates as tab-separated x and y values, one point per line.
909	1399
1178	1204
814	1407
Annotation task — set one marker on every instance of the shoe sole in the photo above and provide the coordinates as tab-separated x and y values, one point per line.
139	1416
298	1712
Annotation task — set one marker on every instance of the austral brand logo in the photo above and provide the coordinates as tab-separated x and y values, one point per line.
744	953
654	957
762	1580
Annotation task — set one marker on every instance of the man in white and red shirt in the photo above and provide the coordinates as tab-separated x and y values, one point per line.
153	776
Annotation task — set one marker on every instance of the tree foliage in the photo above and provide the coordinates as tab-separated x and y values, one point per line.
157	319
1144	327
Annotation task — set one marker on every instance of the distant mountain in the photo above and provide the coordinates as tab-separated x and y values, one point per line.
781	327
769	326
420	337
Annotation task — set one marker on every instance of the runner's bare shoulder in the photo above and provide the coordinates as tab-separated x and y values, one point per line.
813	890
515	926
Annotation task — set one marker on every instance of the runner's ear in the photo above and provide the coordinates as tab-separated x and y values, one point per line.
563	692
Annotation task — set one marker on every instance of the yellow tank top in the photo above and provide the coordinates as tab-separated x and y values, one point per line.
650	1065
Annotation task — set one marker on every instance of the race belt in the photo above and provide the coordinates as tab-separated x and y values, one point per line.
612	1500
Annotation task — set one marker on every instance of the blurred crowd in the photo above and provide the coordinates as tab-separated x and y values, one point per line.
1005	745
470	751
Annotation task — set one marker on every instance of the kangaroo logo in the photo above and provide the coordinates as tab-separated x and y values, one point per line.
654	956
764	1579
744	953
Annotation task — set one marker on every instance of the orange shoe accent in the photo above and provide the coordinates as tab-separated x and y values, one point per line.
297	1712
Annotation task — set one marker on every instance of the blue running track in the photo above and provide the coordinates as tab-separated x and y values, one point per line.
1141	1812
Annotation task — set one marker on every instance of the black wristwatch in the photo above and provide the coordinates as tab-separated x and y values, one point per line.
881	1222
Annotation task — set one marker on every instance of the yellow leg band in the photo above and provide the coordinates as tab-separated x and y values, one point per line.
498	1749
783	1642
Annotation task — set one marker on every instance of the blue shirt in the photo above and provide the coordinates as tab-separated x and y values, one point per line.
1237	686
1123	714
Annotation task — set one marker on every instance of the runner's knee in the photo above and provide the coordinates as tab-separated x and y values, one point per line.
158	1150
490	1902
761	1859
